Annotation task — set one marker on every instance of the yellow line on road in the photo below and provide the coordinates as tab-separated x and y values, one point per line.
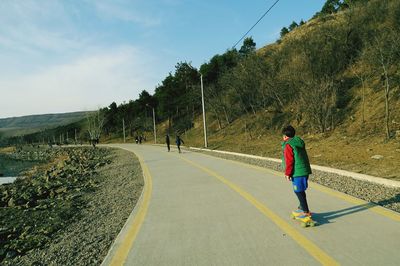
121	254
309	246
364	204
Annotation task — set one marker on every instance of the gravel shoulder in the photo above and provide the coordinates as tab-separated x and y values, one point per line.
87	240
379	194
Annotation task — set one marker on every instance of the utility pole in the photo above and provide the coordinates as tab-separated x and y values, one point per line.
123	128
204	112
154	124
76	140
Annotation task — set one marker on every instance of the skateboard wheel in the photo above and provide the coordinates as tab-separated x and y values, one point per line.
304	225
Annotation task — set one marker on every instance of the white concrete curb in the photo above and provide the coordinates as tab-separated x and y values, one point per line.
362	177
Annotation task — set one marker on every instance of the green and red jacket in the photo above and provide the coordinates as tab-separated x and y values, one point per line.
294	158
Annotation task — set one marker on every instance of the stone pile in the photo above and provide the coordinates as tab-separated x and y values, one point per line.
52	196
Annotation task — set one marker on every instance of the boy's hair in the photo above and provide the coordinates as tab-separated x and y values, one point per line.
289	131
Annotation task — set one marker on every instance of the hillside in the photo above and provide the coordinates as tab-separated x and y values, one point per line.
33	123
335	149
335	78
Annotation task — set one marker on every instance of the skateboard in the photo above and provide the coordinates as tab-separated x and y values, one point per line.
305	221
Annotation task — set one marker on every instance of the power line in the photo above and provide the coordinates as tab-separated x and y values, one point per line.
266	12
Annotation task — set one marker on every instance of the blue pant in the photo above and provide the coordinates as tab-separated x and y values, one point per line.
300	183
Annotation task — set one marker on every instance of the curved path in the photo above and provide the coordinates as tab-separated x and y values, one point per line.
202	210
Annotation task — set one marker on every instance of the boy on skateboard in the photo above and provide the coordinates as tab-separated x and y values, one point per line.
297	169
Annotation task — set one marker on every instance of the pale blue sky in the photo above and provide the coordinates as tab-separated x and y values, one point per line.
62	56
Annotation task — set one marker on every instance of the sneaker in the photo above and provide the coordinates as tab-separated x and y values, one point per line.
297	213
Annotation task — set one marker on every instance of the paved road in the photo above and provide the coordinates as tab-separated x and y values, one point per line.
201	210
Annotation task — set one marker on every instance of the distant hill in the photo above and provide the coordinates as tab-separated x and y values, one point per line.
13	126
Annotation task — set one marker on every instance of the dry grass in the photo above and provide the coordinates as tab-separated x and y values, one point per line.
10	149
338	149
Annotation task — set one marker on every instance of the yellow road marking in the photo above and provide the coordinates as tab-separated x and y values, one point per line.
364	204
121	254
309	246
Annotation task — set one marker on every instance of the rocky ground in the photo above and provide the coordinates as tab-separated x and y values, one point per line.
70	212
385	196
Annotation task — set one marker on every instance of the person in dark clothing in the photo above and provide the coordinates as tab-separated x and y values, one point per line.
140	139
167	141
178	142
297	166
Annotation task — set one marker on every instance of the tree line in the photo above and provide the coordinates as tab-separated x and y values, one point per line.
308	76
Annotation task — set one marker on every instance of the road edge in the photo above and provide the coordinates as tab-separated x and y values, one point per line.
357	176
119	249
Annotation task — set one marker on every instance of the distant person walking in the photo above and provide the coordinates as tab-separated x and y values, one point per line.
167	141
178	142
297	167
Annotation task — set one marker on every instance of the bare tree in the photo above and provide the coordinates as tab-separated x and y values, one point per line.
363	73
216	99
385	60
318	100
95	123
382	55
213	102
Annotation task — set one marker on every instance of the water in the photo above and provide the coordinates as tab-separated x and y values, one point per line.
10	167
7	180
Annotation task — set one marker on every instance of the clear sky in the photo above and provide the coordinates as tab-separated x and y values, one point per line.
63	56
